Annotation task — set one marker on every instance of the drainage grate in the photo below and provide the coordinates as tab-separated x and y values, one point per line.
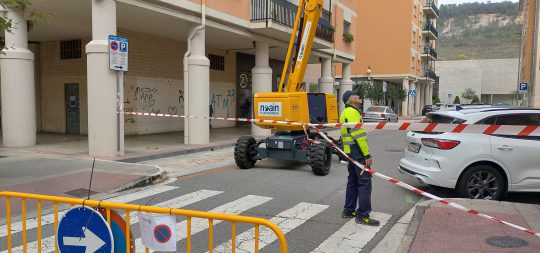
3	156
80	193
394	150
507	242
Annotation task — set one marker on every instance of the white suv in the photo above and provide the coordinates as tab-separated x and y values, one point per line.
476	165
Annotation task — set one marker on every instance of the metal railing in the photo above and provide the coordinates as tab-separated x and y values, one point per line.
284	13
430	51
129	209
431	4
428	27
430	74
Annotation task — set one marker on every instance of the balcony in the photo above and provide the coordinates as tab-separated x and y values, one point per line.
430	74
283	13
431	10
430	31
429	53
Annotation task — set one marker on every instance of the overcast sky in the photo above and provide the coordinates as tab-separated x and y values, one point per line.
470	1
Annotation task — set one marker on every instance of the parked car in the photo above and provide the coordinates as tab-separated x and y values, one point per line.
477	166
379	114
429	108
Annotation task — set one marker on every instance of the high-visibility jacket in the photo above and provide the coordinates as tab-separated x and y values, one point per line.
354	139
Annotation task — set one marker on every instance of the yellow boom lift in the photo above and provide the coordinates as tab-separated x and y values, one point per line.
291	103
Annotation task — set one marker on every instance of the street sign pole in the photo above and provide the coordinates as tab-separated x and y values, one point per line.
118	61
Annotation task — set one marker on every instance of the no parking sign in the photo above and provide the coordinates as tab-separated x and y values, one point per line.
158	232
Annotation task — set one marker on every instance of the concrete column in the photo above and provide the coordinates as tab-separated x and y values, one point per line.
102	104
405	103
427	100
418	99
345	84
199	89
262	79
431	94
326	82
18	85
412	104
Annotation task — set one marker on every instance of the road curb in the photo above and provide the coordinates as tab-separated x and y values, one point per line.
401	236
144	158
159	176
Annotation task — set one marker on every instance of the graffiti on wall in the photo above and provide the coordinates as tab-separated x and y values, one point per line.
146	98
223	103
128	107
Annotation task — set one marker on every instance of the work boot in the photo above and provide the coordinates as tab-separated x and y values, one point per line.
368	221
348	214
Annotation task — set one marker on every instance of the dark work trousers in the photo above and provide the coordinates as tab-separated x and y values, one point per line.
358	191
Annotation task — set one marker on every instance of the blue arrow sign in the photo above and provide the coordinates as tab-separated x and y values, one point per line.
84	230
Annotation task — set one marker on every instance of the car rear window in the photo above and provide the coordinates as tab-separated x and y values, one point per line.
376	109
513	119
443	119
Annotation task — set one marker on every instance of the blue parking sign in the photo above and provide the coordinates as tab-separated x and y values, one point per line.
523	86
84	230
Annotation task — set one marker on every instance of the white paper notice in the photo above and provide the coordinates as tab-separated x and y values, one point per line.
158	232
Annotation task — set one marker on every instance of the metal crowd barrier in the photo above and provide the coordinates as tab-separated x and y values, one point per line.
233	219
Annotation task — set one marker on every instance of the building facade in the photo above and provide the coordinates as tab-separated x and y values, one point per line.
188	57
528	62
492	80
399	50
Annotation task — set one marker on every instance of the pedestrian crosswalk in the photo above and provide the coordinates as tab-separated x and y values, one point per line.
350	237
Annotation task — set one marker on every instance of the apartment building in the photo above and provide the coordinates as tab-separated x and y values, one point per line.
184	57
397	43
528	61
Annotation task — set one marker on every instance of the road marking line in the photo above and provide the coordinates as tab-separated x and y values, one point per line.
16	227
352	237
286	221
197	225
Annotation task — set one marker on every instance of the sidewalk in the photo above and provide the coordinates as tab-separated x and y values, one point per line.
434	227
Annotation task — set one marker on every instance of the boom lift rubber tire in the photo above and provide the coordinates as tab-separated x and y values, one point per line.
244	151
320	158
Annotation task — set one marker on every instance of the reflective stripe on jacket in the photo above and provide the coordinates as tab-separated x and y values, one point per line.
354	139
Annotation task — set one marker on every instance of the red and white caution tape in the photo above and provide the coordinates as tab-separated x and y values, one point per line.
423	193
425	127
520	131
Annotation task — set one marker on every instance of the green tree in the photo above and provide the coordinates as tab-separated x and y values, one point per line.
475	100
469	93
456	100
20	5
436	100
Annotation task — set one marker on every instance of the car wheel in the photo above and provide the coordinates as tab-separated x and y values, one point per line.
481	182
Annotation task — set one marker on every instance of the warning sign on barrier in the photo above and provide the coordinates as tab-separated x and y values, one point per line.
158	232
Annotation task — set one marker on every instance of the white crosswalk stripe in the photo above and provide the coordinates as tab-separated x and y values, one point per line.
197	225
48	243
286	221
16	227
352	237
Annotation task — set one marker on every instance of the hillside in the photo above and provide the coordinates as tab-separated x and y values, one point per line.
479	31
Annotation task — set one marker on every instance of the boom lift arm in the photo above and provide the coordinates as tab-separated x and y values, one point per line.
309	12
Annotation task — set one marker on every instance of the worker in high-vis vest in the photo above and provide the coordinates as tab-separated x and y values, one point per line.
358	194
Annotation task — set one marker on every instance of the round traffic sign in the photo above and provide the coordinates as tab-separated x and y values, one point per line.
162	233
82	229
114	45
118	228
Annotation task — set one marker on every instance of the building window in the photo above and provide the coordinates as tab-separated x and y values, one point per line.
217	62
70	49
346	27
412	62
